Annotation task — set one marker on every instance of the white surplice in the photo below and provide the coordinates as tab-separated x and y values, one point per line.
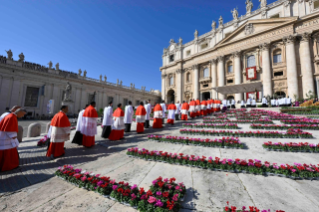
108	116
148	109
4	115
163	105
128	117
178	108
78	123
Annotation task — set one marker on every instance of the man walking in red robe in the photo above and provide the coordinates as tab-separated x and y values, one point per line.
60	132
9	156
140	118
117	132
89	125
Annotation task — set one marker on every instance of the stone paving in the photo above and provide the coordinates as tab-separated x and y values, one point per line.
33	187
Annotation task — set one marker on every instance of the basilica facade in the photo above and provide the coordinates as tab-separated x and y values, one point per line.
43	89
272	51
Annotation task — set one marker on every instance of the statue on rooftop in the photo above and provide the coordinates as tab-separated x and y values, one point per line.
235	13
220	21
180	40
196	34
57	66
9	53
80	72
21	57
84	73
213	25
105	78
263	3
50	65
249	6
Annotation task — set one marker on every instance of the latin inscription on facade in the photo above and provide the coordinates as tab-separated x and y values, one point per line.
307	24
258	39
31	97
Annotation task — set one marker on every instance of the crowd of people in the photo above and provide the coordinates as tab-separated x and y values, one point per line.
114	123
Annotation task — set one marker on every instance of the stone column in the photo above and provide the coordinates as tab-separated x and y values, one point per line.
267	85
179	86
163	85
196	81
292	78
221	75
237	70
214	76
306	67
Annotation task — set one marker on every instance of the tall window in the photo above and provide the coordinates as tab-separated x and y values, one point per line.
251	62
171	81
230	67
206	72
277	56
171	58
188	77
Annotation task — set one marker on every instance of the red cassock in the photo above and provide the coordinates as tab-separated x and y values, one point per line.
197	103
209	106
192	109
185	108
89	126
203	108
60	133
158	117
140	118
9	157
117	132
171	113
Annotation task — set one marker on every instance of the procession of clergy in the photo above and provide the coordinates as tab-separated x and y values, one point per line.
114	123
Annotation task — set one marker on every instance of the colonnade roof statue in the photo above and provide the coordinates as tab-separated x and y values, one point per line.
33	66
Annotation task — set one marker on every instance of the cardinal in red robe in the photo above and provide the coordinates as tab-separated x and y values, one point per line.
140	118
60	132
89	125
192	109
185	108
197	103
118	127
171	113
203	106
9	156
158	116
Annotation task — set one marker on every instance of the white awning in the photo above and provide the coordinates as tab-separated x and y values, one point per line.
241	88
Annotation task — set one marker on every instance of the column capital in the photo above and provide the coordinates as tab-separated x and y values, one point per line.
236	54
305	36
178	71
290	39
264	46
164	76
212	61
220	58
195	66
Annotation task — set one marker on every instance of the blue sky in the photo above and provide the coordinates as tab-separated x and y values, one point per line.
122	39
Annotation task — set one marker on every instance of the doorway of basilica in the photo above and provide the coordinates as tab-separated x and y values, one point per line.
171	96
205	95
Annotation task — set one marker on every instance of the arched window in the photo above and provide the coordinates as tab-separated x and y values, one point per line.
230	67
277	56
188	77
171	81
251	62
206	72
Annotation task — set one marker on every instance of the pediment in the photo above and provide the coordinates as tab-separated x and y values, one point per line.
255	27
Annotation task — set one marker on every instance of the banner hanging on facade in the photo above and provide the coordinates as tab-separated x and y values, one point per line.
251	73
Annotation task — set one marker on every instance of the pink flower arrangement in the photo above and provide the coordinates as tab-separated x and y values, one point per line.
162	194
254	166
